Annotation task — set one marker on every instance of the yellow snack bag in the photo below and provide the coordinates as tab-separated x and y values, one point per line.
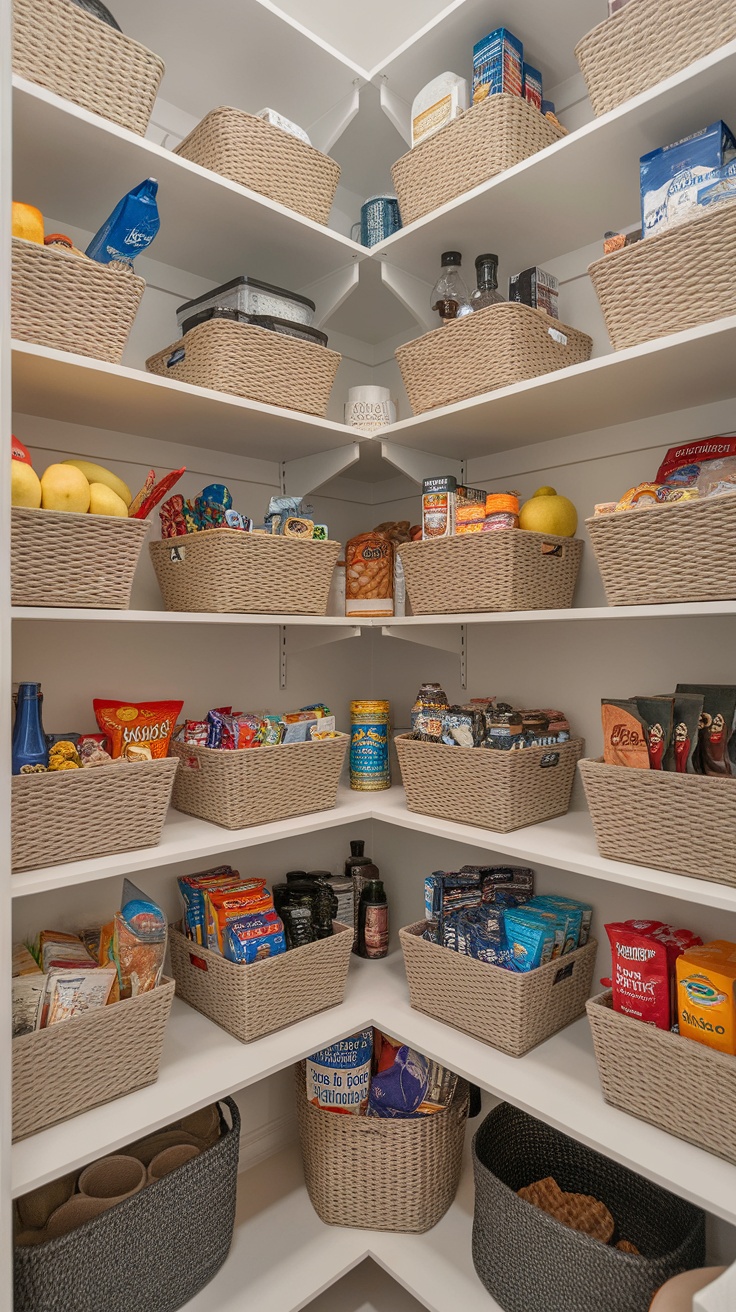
706	1002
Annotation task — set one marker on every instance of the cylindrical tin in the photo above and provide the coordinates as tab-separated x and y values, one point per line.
369	767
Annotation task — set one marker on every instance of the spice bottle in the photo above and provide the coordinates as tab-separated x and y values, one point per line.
450	295
486	293
29	744
361	870
373	921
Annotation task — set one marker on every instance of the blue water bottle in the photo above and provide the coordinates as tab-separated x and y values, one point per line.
29	743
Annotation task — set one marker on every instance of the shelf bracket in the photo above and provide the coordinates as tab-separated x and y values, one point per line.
396	110
328	129
413	293
307	473
303	639
330	292
418	465
442	638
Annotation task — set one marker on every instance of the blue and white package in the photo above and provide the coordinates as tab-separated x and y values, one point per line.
722	189
672	177
400	1089
338	1077
254	938
531	938
131	227
498	61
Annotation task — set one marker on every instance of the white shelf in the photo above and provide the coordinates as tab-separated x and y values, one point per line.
73	615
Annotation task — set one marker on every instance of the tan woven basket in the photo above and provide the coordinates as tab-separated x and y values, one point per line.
61	559
669	282
65	1070
517	570
227	571
685	551
509	1010
265	159
254	786
684	823
495	347
670	1081
71	303
646	42
489	138
72	815
58	45
263	996
252	362
494	790
376	1174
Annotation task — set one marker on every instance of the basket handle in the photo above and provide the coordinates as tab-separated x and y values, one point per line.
199	963
553	550
565	972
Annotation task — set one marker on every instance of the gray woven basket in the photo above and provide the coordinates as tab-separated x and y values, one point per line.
376	1174
530	1262
516	570
151	1253
62	559
225	570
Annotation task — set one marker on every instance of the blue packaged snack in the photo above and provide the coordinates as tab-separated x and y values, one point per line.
400	1089
672	177
219	493
445	892
507	886
581	914
254	938
532	86
131	227
721	189
337	1078
531	938
498	63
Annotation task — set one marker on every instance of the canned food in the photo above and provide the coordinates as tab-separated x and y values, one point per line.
369	765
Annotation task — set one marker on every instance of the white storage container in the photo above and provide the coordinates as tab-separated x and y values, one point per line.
251	297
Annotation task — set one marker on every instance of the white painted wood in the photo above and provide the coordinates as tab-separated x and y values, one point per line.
719	1296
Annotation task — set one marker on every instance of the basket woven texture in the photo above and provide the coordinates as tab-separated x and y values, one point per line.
646	42
376	1174
669	282
265	159
63	1071
531	1262
494	790
495	347
254	786
265	996
72	815
153	1251
252	362
72	304
490	572
659	1077
684	822
680	552
85	60
505	1009
62	559
229	571
489	138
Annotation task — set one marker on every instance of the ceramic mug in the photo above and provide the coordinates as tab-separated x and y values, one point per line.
369	407
379	217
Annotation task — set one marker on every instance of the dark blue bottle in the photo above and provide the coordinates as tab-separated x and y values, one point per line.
29	744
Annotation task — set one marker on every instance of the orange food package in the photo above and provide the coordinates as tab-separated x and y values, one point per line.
131	724
224	904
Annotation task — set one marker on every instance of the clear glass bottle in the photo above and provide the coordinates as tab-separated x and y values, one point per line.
450	295
486	293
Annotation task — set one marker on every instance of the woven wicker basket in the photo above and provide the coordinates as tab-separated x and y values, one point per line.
264	996
265	159
61	47
490	138
71	303
376	1174
505	1009
495	347
680	552
73	815
494	790
252	362
685	823
65	1070
669	282
229	571
646	42
61	559
531	1262
660	1077
491	572
255	786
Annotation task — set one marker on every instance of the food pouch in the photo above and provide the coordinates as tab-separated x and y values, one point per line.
572	904
706	994
224	904
130	228
369	570
570	916
682	464
639	976
676	941
715	753
400	1081
72	993
657	713
531	938
688	708
511	886
127	723
192	889
139	942
624	734
338	1077
254	938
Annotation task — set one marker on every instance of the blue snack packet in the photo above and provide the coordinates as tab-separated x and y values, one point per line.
399	1090
130	228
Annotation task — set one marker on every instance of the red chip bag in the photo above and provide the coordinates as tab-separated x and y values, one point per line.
128	723
675	942
640	976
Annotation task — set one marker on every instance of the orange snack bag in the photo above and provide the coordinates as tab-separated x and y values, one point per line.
224	904
129	724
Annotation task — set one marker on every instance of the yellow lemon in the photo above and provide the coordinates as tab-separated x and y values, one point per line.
27	222
64	488
549	513
98	474
103	501
26	485
544	492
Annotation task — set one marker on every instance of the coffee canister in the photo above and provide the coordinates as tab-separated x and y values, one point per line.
379	219
369	768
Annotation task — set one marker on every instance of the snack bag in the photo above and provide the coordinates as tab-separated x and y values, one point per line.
192	889
254	938
640	975
572	905
706	993
400	1079
715	753
531	938
624	734
248	897
676	941
657	714
688	708
72	993
338	1076
138	943
129	723
570	916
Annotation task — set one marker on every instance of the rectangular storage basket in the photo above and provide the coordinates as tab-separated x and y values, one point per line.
252	362
264	996
74	54
660	1078
381	1174
669	282
514	570
265	159
684	823
73	815
509	1010
530	1262
680	552
225	570
492	789
487	139
257	785
71	303
65	1070
155	1250
61	559
492	348
646	42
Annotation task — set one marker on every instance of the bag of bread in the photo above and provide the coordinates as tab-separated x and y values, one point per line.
369	575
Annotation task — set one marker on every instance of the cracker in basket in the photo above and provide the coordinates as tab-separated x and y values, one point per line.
626	1246
582	1212
545	1194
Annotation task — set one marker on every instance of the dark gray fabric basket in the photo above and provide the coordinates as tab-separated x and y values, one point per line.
530	1262
152	1252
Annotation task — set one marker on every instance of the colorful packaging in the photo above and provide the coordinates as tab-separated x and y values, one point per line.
369	575
688	708
470	509
139	942
682	465
537	289
224	904
515	891
531	938
706	995
569	917
192	889
640	975
73	993
338	1077
715	753
450	892
254	938
28	993
498	63
573	905
624	734
531	86
127	723
657	713
438	507
130	228
400	1080
672	176
676	941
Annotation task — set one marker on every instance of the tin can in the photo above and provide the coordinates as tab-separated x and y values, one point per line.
369	767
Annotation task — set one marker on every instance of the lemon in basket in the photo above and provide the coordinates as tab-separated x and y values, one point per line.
547	512
26	486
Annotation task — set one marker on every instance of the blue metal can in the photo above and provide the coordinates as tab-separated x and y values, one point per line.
369	766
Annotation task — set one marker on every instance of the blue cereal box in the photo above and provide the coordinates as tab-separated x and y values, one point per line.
498	63
672	178
531	87
254	938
